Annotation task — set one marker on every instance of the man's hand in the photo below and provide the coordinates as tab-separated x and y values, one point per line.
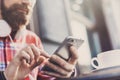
65	69
24	62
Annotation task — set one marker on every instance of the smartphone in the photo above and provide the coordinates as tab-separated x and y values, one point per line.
63	50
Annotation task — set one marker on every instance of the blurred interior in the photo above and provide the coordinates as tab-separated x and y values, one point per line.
95	21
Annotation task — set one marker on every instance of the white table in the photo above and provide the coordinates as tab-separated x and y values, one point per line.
111	73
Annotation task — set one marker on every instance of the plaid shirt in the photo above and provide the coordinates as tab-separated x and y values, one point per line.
8	49
7	52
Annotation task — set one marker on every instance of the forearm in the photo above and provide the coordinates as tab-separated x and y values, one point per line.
2	76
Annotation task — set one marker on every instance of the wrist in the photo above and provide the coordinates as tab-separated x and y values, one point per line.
7	76
11	71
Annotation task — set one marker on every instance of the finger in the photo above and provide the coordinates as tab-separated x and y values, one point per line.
74	55
45	54
56	74
57	68
52	74
64	64
30	52
35	64
24	55
36	51
24	63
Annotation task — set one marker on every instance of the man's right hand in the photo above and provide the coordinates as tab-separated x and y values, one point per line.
24	62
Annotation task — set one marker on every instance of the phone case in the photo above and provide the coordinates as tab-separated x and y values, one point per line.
63	49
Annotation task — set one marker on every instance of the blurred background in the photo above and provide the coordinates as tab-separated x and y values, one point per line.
95	21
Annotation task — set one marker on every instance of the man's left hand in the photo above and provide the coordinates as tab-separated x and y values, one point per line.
65	68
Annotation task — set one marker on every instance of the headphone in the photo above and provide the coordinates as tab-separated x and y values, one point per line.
5	29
